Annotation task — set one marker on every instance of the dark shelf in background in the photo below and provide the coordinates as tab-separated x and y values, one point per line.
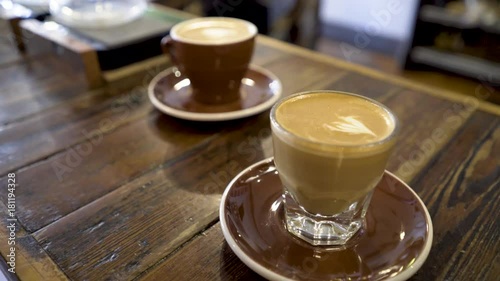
465	65
439	15
449	39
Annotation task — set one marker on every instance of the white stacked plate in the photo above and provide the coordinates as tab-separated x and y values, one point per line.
96	13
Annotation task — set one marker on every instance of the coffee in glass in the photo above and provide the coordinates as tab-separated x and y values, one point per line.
330	149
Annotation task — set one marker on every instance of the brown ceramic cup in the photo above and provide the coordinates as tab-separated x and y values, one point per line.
214	54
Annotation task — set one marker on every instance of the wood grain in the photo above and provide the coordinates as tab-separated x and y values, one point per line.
238	147
207	169
146	219
265	54
32	263
137	197
300	74
210	258
90	115
53	188
466	232
67	125
32	86
461	188
391	79
190	184
361	85
423	130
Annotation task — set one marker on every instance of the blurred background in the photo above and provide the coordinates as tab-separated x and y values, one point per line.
453	45
450	44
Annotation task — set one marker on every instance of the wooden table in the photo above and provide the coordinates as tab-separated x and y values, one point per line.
111	189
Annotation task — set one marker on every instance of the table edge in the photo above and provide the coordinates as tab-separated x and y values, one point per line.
418	86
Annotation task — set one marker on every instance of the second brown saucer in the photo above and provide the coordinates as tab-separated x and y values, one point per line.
170	93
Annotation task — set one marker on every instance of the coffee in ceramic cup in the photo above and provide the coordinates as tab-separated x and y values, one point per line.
214	54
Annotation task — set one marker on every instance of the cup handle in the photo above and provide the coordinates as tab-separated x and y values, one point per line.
167	45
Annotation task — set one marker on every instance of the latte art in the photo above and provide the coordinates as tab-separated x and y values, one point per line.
331	149
210	34
335	119
349	125
213	31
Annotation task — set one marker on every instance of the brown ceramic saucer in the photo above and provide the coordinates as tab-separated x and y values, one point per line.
392	246
170	92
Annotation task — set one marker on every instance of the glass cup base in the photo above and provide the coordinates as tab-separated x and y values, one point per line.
320	230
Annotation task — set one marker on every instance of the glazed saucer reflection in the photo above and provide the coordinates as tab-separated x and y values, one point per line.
392	246
170	92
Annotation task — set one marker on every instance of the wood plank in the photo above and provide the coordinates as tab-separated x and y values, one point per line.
185	192
186	163
456	196
461	188
361	85
264	54
87	114
54	180
53	188
209	258
390	65
204	170
454	83
154	214
478	98
64	126
34	85
68	124
300	74
424	130
32	262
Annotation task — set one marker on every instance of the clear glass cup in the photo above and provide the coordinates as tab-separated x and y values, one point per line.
96	13
328	186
